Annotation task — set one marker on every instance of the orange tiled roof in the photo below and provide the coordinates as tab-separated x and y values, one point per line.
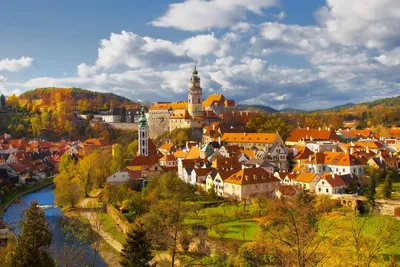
305	177
218	100
95	142
180	154
334	158
268	138
251	176
365	144
168	105
238	116
193	153
315	134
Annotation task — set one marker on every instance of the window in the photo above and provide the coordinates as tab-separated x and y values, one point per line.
327	190
343	170
319	189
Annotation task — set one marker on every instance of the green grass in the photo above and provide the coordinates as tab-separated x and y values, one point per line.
228	218
395	188
109	226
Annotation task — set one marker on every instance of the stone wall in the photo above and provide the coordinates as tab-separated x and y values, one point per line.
119	219
124	125
158	122
387	207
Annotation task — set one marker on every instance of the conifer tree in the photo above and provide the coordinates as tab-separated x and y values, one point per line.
137	250
371	190
387	186
34	242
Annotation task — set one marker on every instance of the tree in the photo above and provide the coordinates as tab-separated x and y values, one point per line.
166	220
2	101
13	101
221	230
123	114
294	226
272	123
180	136
363	245
67	190
137	250
371	190
35	240
387	186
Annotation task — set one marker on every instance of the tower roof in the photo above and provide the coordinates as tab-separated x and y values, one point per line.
142	120
195	74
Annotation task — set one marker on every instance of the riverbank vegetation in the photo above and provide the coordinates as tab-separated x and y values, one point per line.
303	231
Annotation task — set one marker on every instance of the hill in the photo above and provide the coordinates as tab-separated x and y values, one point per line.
292	110
258	108
80	99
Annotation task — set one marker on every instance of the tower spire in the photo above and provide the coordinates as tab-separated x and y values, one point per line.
143	134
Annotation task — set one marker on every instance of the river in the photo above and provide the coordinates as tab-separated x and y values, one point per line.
45	198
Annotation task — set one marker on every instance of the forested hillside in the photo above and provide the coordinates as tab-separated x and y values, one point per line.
80	99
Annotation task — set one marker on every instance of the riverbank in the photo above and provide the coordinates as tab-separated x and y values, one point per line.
9	199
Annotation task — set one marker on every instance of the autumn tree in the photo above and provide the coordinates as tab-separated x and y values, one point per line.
68	190
361	243
13	101
271	123
34	242
294	226
165	221
137	249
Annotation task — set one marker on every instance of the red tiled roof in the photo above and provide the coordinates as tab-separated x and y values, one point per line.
315	134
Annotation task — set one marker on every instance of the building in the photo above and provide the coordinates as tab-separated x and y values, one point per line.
259	141
247	183
93	144
340	163
307	180
192	114
330	184
121	114
302	136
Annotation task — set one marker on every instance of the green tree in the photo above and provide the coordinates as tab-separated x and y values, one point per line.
272	123
137	249
123	114
34	242
387	186
67	190
371	190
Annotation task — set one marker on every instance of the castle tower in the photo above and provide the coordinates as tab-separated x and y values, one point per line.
143	135
195	102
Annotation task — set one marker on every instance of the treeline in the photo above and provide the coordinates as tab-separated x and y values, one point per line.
48	99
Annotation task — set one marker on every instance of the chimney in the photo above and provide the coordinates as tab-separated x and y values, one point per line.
319	128
367	149
308	128
309	158
219	140
351	150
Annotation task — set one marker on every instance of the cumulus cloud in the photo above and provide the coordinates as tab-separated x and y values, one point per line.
199	15
372	23
14	65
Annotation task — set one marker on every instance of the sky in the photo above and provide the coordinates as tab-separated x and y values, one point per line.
303	54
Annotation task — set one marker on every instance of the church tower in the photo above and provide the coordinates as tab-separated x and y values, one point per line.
143	135
195	101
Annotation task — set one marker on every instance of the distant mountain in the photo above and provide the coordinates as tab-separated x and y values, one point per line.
258	108
292	110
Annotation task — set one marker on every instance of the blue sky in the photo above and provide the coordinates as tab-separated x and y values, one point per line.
288	53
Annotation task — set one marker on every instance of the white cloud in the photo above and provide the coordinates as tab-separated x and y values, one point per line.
372	23
85	70
200	45
14	65
3	79
390	58
198	15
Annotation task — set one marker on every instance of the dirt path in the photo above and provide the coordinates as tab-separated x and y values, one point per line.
96	224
